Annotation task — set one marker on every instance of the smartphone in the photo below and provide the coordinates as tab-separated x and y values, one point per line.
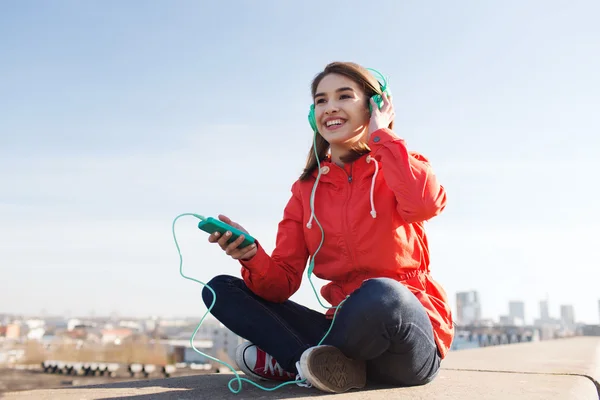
212	225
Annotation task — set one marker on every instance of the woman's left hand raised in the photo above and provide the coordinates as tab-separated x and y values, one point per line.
381	118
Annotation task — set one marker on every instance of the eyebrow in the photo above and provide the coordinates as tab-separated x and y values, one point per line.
342	89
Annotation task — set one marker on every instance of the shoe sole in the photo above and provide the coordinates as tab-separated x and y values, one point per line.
329	370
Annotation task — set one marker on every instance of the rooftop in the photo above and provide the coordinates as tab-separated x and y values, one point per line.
557	369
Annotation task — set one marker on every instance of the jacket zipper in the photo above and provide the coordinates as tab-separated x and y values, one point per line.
349	175
346	223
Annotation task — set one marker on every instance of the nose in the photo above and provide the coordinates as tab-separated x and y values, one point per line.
331	107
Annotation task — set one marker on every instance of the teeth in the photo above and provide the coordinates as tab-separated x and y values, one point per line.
334	122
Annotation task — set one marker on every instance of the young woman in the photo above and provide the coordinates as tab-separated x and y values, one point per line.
372	197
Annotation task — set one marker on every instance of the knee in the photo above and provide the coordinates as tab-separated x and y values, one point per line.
220	284
386	288
385	294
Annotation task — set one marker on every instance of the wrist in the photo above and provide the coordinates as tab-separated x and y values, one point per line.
381	136
373	127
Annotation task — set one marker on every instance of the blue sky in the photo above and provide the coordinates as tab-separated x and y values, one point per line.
115	117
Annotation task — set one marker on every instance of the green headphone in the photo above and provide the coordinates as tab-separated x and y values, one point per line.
377	98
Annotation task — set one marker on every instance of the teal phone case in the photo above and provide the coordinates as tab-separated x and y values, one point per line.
211	225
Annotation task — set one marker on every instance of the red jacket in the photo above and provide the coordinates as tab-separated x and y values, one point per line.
396	186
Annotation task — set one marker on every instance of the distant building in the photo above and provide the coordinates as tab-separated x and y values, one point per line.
36	333
223	343
10	332
151	324
544	311
115	336
13	331
135	325
226	340
76	323
567	315
463	340
589	330
468	308
516	310
35	323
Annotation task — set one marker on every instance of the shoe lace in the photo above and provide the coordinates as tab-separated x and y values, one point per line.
272	366
300	379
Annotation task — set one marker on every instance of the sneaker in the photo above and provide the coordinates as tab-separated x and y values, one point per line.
259	365
328	369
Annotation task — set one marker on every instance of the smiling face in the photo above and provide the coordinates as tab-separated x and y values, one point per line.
341	111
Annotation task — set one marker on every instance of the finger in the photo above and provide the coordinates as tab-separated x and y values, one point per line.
246	252
225	219
223	240
386	101
374	105
251	253
228	221
214	237
240	253
234	245
231	250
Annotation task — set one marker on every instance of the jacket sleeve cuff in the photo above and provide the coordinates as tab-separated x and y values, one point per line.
259	264
380	138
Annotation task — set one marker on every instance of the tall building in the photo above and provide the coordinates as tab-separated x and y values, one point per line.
544	312
225	342
468	308
567	315
516	310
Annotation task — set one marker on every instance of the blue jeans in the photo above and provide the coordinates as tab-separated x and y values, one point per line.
381	322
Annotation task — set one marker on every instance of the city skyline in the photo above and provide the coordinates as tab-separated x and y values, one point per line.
469	305
544	312
112	123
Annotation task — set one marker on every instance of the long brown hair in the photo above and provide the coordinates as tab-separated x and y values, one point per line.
369	84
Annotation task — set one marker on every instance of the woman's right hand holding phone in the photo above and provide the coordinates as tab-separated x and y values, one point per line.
232	249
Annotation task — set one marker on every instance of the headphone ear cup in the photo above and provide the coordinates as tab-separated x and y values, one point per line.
378	100
311	118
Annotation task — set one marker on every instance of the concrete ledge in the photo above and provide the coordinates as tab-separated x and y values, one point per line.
559	369
449	385
579	355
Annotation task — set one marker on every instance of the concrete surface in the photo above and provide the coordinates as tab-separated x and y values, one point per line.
579	355
559	369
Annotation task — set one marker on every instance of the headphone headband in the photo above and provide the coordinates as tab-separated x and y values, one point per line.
380	78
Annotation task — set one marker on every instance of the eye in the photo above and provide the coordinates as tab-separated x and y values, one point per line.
320	100
345	96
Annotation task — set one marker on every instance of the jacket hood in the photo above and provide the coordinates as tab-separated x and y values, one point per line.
330	173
